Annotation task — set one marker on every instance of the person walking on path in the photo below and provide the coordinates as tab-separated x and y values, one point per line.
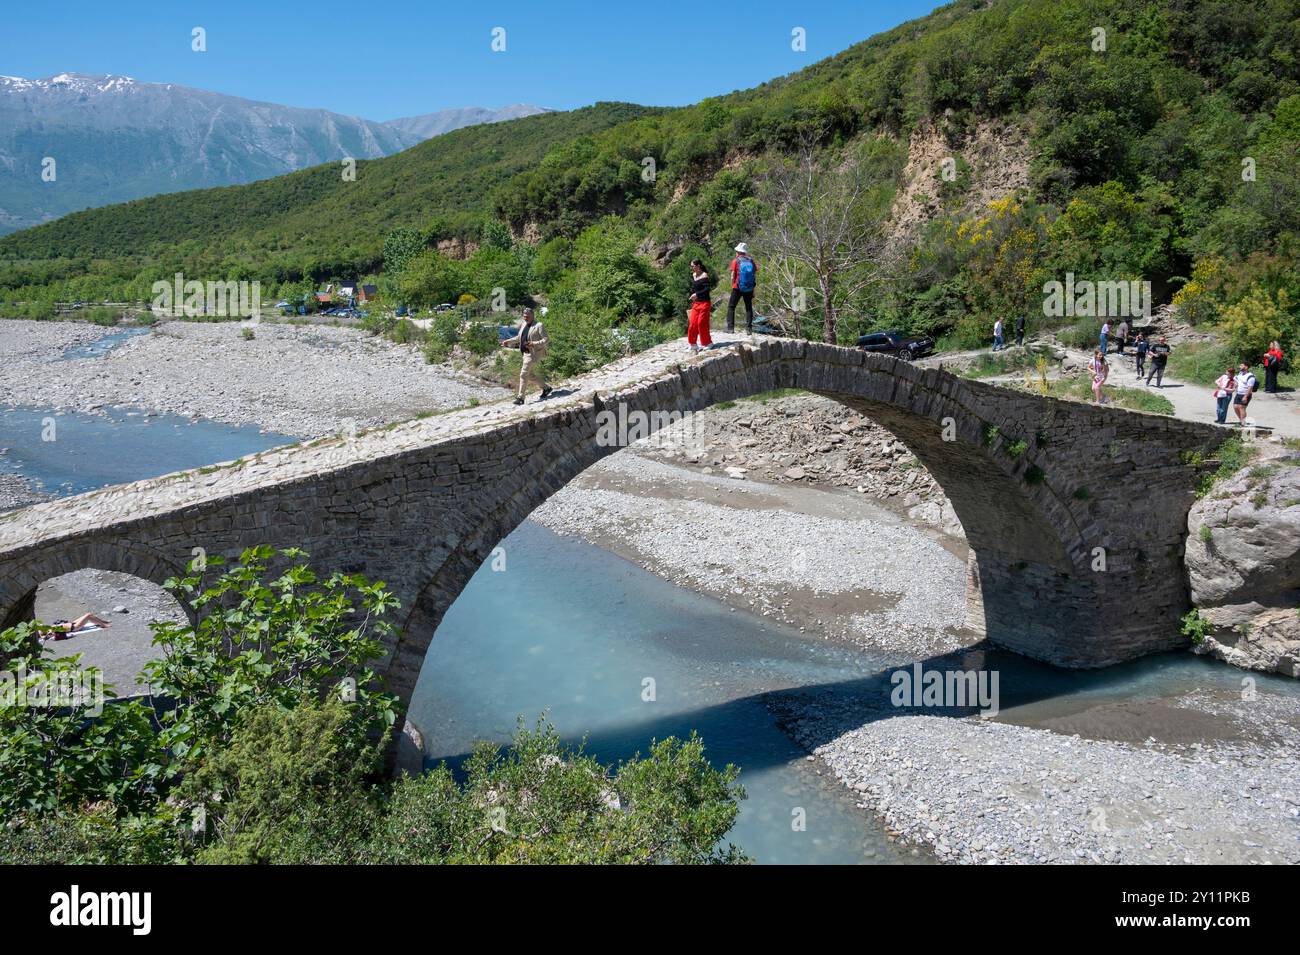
997	335
1141	347
697	329
744	278
1247	385
532	344
1020	330
1121	335
1224	389
1272	365
1100	371
1159	358
1105	333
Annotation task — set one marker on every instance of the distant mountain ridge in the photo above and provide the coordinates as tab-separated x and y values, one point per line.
113	138
444	121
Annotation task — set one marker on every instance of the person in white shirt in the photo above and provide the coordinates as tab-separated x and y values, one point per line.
1224	389
1246	385
997	335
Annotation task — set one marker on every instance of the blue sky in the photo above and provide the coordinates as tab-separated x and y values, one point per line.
386	59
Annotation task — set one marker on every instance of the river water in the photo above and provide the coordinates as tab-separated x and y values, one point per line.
614	656
572	633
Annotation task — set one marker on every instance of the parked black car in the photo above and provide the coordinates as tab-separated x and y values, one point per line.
898	345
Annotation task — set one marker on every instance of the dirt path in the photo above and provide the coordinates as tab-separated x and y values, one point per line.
1192	402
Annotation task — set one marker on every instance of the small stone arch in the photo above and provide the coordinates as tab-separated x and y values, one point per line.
18	589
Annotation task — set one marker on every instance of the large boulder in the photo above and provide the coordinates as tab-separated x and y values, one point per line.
1243	565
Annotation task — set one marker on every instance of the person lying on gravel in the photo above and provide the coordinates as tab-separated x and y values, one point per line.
86	623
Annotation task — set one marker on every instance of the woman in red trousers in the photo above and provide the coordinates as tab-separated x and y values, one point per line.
697	332
1272	365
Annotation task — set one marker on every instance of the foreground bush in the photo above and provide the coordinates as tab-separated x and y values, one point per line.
540	802
265	745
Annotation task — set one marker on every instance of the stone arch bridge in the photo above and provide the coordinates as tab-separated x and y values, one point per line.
1076	515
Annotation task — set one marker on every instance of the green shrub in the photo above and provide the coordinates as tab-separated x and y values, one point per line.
271	752
1085	334
101	315
580	342
292	786
1233	455
406	332
379	322
96	834
58	754
435	351
39	311
541	802
480	339
1194	626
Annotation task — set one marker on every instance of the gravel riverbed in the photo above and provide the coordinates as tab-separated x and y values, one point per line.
978	791
830	563
300	380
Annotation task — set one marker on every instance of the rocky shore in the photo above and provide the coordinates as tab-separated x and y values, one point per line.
978	791
16	491
1243	563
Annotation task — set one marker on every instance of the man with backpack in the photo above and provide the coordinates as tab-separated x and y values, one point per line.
1247	385
744	276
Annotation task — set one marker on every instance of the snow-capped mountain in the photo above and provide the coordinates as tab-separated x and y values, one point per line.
112	138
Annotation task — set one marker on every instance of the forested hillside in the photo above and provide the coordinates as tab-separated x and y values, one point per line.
1155	141
316	221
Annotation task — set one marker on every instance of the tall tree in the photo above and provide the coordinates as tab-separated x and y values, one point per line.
827	228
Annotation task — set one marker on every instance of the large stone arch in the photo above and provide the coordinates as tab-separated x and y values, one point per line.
18	588
1043	489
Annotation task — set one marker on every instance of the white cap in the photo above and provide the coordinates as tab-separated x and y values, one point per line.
742	249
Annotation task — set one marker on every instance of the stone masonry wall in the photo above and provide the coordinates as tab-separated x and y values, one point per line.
1038	484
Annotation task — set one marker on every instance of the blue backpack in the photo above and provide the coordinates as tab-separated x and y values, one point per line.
745	274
